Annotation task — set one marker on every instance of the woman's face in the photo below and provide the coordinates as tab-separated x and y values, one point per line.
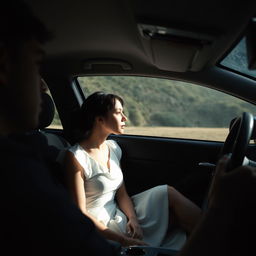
115	119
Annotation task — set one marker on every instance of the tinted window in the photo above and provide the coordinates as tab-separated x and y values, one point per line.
166	108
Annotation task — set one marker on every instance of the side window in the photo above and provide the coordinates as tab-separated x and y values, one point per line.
56	123
167	108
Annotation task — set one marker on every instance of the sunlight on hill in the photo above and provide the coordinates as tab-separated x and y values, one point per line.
214	134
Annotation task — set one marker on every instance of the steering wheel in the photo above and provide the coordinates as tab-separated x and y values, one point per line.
236	144
238	140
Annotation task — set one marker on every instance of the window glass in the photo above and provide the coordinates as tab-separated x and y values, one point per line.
56	123
237	59
166	108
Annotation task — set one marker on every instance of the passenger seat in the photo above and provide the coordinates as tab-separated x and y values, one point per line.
45	119
51	147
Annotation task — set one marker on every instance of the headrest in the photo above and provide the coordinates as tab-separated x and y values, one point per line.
47	111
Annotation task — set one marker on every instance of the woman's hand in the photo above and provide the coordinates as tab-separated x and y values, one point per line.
133	229
128	241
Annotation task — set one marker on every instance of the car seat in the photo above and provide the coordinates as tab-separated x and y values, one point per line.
45	119
51	147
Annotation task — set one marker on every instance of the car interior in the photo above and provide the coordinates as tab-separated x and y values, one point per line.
187	41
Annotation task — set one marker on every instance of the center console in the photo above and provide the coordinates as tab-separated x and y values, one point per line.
147	251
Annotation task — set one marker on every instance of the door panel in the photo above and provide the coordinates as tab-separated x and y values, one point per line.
148	161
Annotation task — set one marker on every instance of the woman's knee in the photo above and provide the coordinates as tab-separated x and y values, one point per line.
172	194
172	190
175	196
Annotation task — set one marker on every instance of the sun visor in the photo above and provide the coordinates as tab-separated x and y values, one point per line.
173	49
175	56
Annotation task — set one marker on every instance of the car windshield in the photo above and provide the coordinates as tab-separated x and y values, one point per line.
237	60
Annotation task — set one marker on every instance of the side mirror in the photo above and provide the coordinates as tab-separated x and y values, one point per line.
251	44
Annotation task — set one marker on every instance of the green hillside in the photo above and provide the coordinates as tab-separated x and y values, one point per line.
160	102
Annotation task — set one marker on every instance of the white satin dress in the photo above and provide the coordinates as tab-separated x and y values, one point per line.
151	206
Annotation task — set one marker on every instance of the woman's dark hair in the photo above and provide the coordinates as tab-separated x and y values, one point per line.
95	105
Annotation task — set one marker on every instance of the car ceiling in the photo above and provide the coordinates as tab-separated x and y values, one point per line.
105	30
110	37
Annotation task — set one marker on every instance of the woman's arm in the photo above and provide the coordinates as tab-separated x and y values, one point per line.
75	182
126	205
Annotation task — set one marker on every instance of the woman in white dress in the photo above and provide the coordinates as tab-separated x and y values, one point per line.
95	180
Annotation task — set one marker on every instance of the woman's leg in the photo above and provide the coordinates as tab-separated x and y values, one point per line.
185	211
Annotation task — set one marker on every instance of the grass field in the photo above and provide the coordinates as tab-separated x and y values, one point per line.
213	134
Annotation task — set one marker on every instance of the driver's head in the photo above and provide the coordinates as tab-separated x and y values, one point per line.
21	38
